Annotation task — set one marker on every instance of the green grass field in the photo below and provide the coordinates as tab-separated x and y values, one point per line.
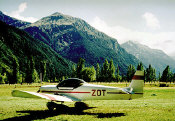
158	104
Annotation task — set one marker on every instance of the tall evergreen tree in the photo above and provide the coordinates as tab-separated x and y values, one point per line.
80	67
130	72
31	73
111	71
28	77
159	77
140	66
43	70
105	71
150	74
98	72
154	74
15	73
118	77
166	75
173	78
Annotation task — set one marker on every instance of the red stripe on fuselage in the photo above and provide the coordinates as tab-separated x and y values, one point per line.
71	92
137	77
65	92
51	98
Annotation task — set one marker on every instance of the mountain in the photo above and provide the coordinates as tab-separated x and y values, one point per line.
173	56
157	58
12	21
15	43
74	38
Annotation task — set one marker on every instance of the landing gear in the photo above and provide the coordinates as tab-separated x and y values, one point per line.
59	107
51	106
80	106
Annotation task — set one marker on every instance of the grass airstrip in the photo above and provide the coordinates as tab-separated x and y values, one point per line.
158	104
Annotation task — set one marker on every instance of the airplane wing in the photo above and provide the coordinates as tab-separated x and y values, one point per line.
27	94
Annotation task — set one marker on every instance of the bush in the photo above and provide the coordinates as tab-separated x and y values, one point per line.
3	78
35	76
163	85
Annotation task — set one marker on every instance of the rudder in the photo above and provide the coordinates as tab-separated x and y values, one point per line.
137	82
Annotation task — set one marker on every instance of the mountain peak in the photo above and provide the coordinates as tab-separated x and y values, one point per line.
147	55
57	14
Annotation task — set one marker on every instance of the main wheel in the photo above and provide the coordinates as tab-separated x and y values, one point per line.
62	108
51	106
80	106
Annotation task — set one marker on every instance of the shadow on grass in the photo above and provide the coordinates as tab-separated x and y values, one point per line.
43	114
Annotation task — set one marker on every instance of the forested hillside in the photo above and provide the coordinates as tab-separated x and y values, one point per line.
18	50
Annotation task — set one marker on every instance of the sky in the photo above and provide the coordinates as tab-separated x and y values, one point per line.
149	22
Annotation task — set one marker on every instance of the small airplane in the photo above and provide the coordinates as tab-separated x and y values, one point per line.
77	90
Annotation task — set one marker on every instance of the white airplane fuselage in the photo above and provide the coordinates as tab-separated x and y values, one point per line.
90	92
77	90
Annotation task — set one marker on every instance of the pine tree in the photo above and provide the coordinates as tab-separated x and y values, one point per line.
159	77
123	78
15	74
105	71
28	77
166	75
173	78
150	74
111	71
140	66
43	70
154	75
30	73
98	72
80	67
35	76
130	72
118	77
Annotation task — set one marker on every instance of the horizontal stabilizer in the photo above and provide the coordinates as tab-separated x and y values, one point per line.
27	94
128	90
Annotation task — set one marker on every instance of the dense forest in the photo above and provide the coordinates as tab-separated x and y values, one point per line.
109	73
106	73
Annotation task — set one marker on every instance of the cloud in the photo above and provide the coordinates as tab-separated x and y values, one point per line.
151	20
21	9
161	40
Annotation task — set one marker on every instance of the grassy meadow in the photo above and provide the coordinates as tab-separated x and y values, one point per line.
158	104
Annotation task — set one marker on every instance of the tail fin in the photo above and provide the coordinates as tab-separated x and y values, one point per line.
137	82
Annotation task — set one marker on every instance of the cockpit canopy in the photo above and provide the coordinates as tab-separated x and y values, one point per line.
72	82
